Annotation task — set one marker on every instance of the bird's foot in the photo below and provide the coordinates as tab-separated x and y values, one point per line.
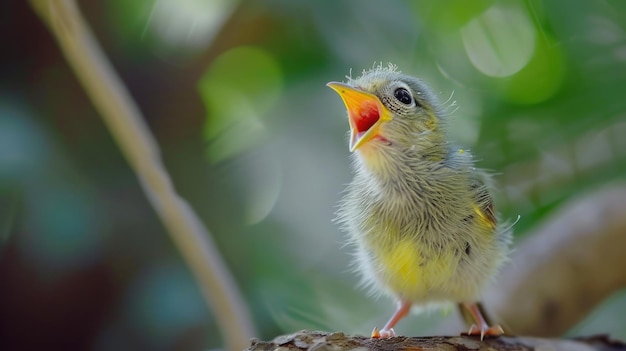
485	331
383	334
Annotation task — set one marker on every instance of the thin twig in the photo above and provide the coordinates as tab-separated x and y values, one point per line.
125	122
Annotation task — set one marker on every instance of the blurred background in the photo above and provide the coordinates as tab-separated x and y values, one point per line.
234	93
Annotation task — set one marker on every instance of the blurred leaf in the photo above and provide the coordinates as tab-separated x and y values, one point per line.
449	15
541	78
239	89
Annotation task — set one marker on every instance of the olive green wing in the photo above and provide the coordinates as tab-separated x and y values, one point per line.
483	201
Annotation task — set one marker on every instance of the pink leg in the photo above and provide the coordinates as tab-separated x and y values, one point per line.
403	309
481	328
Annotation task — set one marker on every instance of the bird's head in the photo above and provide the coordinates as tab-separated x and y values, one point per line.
388	109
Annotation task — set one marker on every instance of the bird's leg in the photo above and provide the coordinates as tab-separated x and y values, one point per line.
481	327
387	332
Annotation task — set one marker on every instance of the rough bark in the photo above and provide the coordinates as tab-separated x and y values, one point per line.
323	341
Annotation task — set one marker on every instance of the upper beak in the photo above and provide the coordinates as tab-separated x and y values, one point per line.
365	113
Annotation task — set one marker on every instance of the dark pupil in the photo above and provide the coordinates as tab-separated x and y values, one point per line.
403	96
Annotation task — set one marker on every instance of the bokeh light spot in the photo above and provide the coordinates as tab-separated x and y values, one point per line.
190	23
65	231
500	41
23	148
164	302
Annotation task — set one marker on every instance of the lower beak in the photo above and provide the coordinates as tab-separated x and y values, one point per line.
365	113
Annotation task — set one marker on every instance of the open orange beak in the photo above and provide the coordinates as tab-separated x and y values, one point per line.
365	113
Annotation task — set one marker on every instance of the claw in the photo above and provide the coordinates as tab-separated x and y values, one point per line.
383	334
481	327
485	330
375	333
404	306
387	333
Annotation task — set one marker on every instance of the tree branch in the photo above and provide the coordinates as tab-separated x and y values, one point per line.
322	341
566	267
119	112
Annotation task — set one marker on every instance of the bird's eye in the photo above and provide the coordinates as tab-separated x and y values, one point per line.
403	96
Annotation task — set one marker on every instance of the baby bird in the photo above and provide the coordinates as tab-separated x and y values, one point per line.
419	214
